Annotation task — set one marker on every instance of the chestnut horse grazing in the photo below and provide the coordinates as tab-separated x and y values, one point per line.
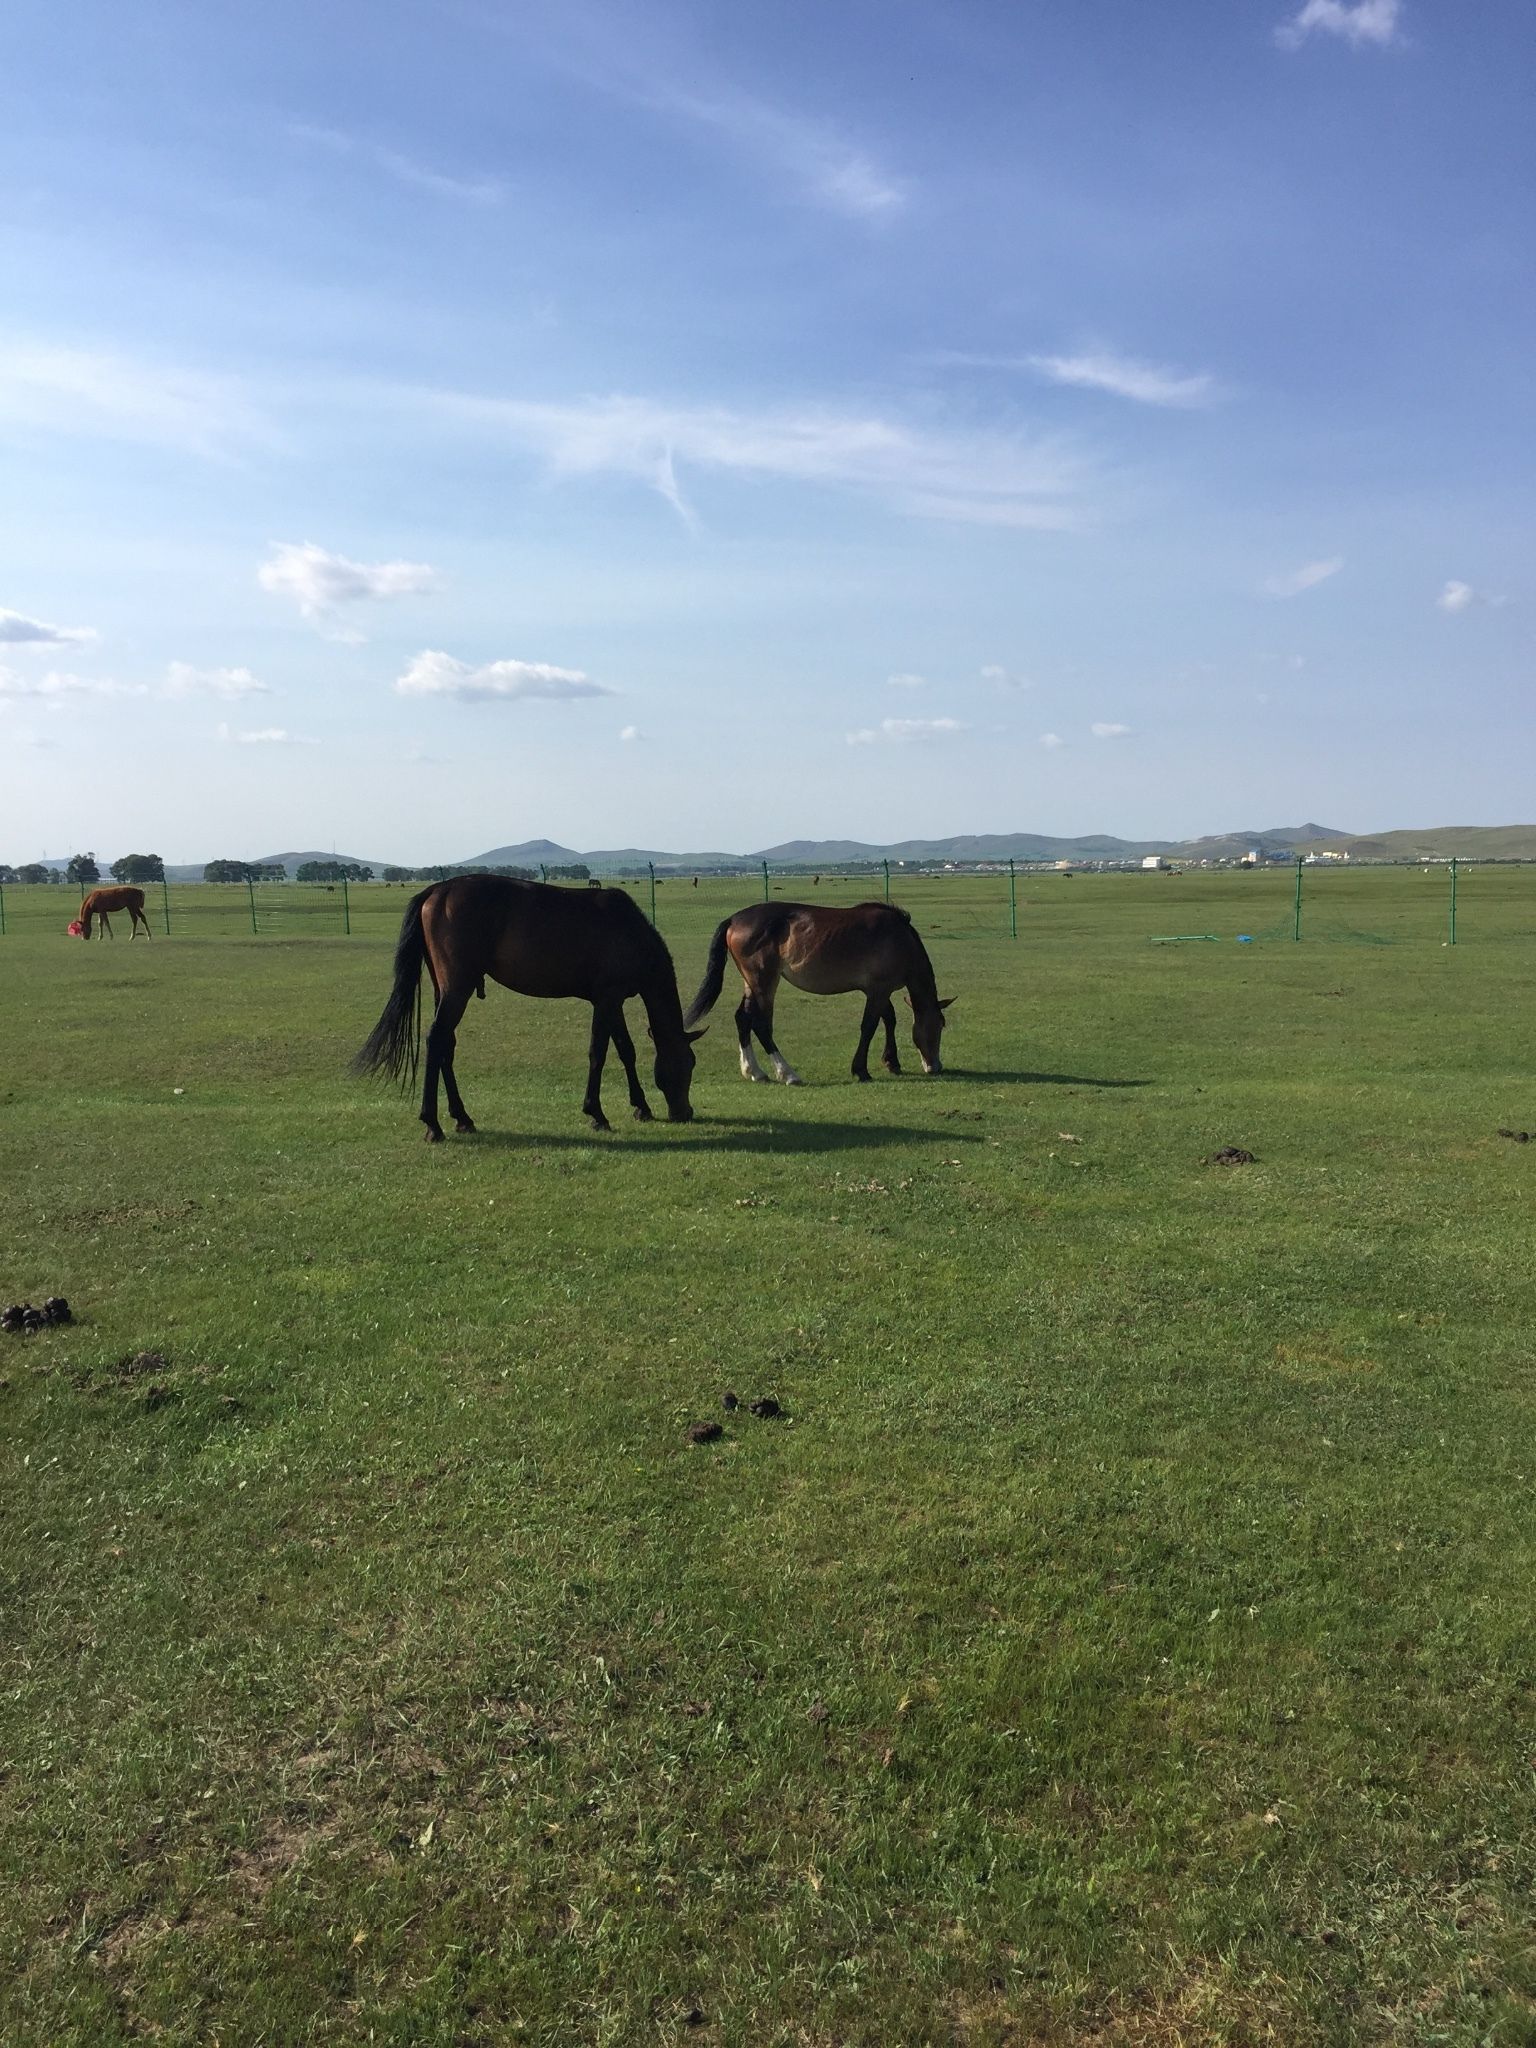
872	948
100	901
538	940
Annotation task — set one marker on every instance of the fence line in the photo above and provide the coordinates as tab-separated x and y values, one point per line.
1367	903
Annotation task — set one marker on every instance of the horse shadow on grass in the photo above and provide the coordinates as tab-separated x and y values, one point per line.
725	1134
1037	1080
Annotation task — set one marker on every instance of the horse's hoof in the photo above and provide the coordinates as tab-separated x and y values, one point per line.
600	1123
464	1127
861	1077
642	1114
433	1136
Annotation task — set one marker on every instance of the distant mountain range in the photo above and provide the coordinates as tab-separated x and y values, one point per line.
1467	842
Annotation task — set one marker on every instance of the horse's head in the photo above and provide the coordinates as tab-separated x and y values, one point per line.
928	1029
674	1073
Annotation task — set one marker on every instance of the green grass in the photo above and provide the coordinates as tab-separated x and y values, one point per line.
1127	1639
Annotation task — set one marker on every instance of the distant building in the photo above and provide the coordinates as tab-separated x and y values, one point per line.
1153	860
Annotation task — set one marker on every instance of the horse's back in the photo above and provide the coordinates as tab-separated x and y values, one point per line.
540	939
827	949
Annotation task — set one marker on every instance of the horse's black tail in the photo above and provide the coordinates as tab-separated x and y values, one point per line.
393	1046
714	978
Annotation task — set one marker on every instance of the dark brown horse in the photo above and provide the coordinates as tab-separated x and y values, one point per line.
100	901
872	948
540	941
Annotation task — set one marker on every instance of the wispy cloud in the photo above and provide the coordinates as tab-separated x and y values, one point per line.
183	680
1051	740
906	681
406	170
1002	479
318	581
1357	21
1293	582
902	731
265	736
75	391
17	631
1004	678
631	733
1460	597
57	684
812	158
1125	377
1103	729
440	675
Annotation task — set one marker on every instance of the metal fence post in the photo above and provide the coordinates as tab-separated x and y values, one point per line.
250	890
652	866
1013	904
543	872
887	866
2	910
765	881
165	904
1296	933
346	906
1452	939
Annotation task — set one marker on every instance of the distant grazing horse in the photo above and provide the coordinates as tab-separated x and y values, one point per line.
872	948
100	901
539	941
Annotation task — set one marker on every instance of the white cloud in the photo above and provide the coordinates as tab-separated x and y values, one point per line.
1005	479
1124	377
816	162
1294	581
631	732
82	391
317	581
1052	740
906	681
1102	729
265	736
405	169
183	680
1004	678
56	684
439	675
901	731
16	631
1357	21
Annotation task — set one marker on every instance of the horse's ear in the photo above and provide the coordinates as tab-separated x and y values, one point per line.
693	1037
945	1001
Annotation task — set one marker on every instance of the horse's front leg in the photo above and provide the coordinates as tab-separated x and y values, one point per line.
625	1047
873	1006
889	1059
592	1105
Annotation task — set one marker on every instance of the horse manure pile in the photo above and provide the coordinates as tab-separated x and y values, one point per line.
1520	1137
765	1408
1230	1155
21	1316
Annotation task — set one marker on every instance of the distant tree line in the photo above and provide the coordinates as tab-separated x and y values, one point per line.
82	872
576	872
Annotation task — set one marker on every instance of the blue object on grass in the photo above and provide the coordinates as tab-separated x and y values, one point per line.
1245	938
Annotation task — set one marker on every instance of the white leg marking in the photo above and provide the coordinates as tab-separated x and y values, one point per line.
785	1071
750	1070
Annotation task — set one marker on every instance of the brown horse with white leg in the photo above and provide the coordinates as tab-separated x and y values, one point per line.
100	901
538	940
872	949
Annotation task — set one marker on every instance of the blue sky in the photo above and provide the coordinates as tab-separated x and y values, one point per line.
427	427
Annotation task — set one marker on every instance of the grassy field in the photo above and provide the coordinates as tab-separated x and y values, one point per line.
1125	1636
